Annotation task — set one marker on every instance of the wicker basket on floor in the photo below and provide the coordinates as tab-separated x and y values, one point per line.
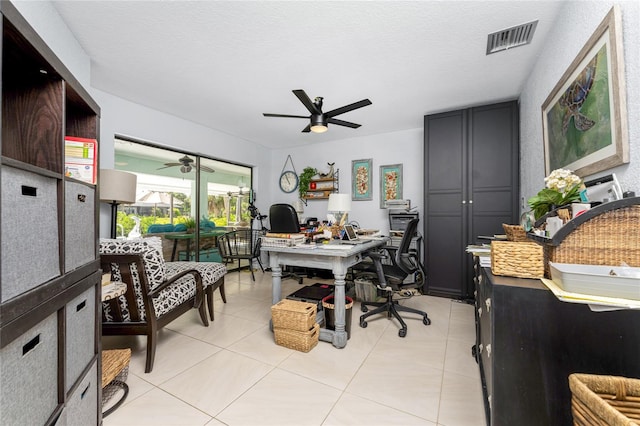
302	341
604	400
293	315
115	368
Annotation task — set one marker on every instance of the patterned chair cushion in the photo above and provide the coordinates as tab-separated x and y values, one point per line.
211	272
156	272
152	257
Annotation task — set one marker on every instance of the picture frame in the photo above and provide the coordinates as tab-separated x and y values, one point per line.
390	184
361	188
584	118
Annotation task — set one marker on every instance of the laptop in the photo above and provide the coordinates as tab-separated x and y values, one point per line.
352	236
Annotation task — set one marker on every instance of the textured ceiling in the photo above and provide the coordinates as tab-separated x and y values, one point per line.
223	63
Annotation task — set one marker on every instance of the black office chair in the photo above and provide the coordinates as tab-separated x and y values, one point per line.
391	278
284	219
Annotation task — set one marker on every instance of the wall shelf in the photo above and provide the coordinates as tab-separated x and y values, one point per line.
321	188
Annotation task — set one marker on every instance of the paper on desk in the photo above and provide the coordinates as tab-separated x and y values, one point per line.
596	303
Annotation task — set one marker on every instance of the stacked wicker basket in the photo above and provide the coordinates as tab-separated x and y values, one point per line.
294	324
517	257
608	234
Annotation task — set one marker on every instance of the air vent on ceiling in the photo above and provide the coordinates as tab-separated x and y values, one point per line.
511	37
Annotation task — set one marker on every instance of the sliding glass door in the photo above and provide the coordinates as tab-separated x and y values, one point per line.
186	197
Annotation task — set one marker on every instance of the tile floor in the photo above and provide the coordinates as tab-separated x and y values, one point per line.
232	372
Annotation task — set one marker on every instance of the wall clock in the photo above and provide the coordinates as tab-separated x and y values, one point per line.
288	178
288	181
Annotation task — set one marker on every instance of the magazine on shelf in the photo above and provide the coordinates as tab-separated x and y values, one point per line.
80	159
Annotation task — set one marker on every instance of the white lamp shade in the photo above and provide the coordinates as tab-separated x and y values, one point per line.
117	186
339	203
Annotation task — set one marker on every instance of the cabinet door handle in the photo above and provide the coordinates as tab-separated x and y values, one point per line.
488	303
479	312
470	201
30	191
464	201
30	345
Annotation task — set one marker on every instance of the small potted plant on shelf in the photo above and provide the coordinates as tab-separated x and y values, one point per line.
562	187
305	179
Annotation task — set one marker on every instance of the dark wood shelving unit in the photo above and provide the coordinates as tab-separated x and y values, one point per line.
49	294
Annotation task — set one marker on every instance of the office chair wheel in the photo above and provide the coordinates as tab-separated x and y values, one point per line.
363	308
426	320
402	332
363	323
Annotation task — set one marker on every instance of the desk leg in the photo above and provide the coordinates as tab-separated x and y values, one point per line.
276	281
340	334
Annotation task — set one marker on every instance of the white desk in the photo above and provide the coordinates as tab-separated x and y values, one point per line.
336	260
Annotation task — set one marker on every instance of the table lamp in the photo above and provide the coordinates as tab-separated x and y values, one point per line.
117	187
341	205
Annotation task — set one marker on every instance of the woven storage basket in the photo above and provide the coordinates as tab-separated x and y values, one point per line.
515	232
115	368
282	242
604	400
517	259
610	238
302	341
293	315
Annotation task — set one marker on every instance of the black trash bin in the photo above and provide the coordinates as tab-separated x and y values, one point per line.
330	317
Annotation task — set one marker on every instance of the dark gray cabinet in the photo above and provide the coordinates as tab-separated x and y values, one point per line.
471	187
529	342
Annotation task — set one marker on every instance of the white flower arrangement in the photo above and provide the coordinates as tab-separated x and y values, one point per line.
562	180
562	187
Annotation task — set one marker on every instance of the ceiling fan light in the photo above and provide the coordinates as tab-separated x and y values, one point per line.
318	124
319	128
185	169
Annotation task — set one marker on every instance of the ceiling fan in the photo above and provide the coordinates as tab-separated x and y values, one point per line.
186	164
318	119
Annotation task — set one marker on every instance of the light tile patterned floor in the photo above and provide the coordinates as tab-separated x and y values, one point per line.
232	372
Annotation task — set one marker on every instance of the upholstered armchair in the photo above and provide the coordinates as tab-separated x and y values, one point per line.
152	299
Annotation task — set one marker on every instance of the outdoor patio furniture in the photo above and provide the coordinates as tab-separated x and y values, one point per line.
242	244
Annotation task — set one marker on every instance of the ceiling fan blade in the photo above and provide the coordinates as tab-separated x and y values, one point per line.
167	165
206	169
307	129
306	101
284	115
343	123
348	108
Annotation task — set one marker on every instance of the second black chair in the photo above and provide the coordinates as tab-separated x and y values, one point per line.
391	279
283	219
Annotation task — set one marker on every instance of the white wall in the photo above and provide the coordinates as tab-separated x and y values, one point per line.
577	22
405	147
119	116
574	27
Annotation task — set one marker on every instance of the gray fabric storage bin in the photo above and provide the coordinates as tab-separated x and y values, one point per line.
80	329
29	375
82	406
79	229
29	226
